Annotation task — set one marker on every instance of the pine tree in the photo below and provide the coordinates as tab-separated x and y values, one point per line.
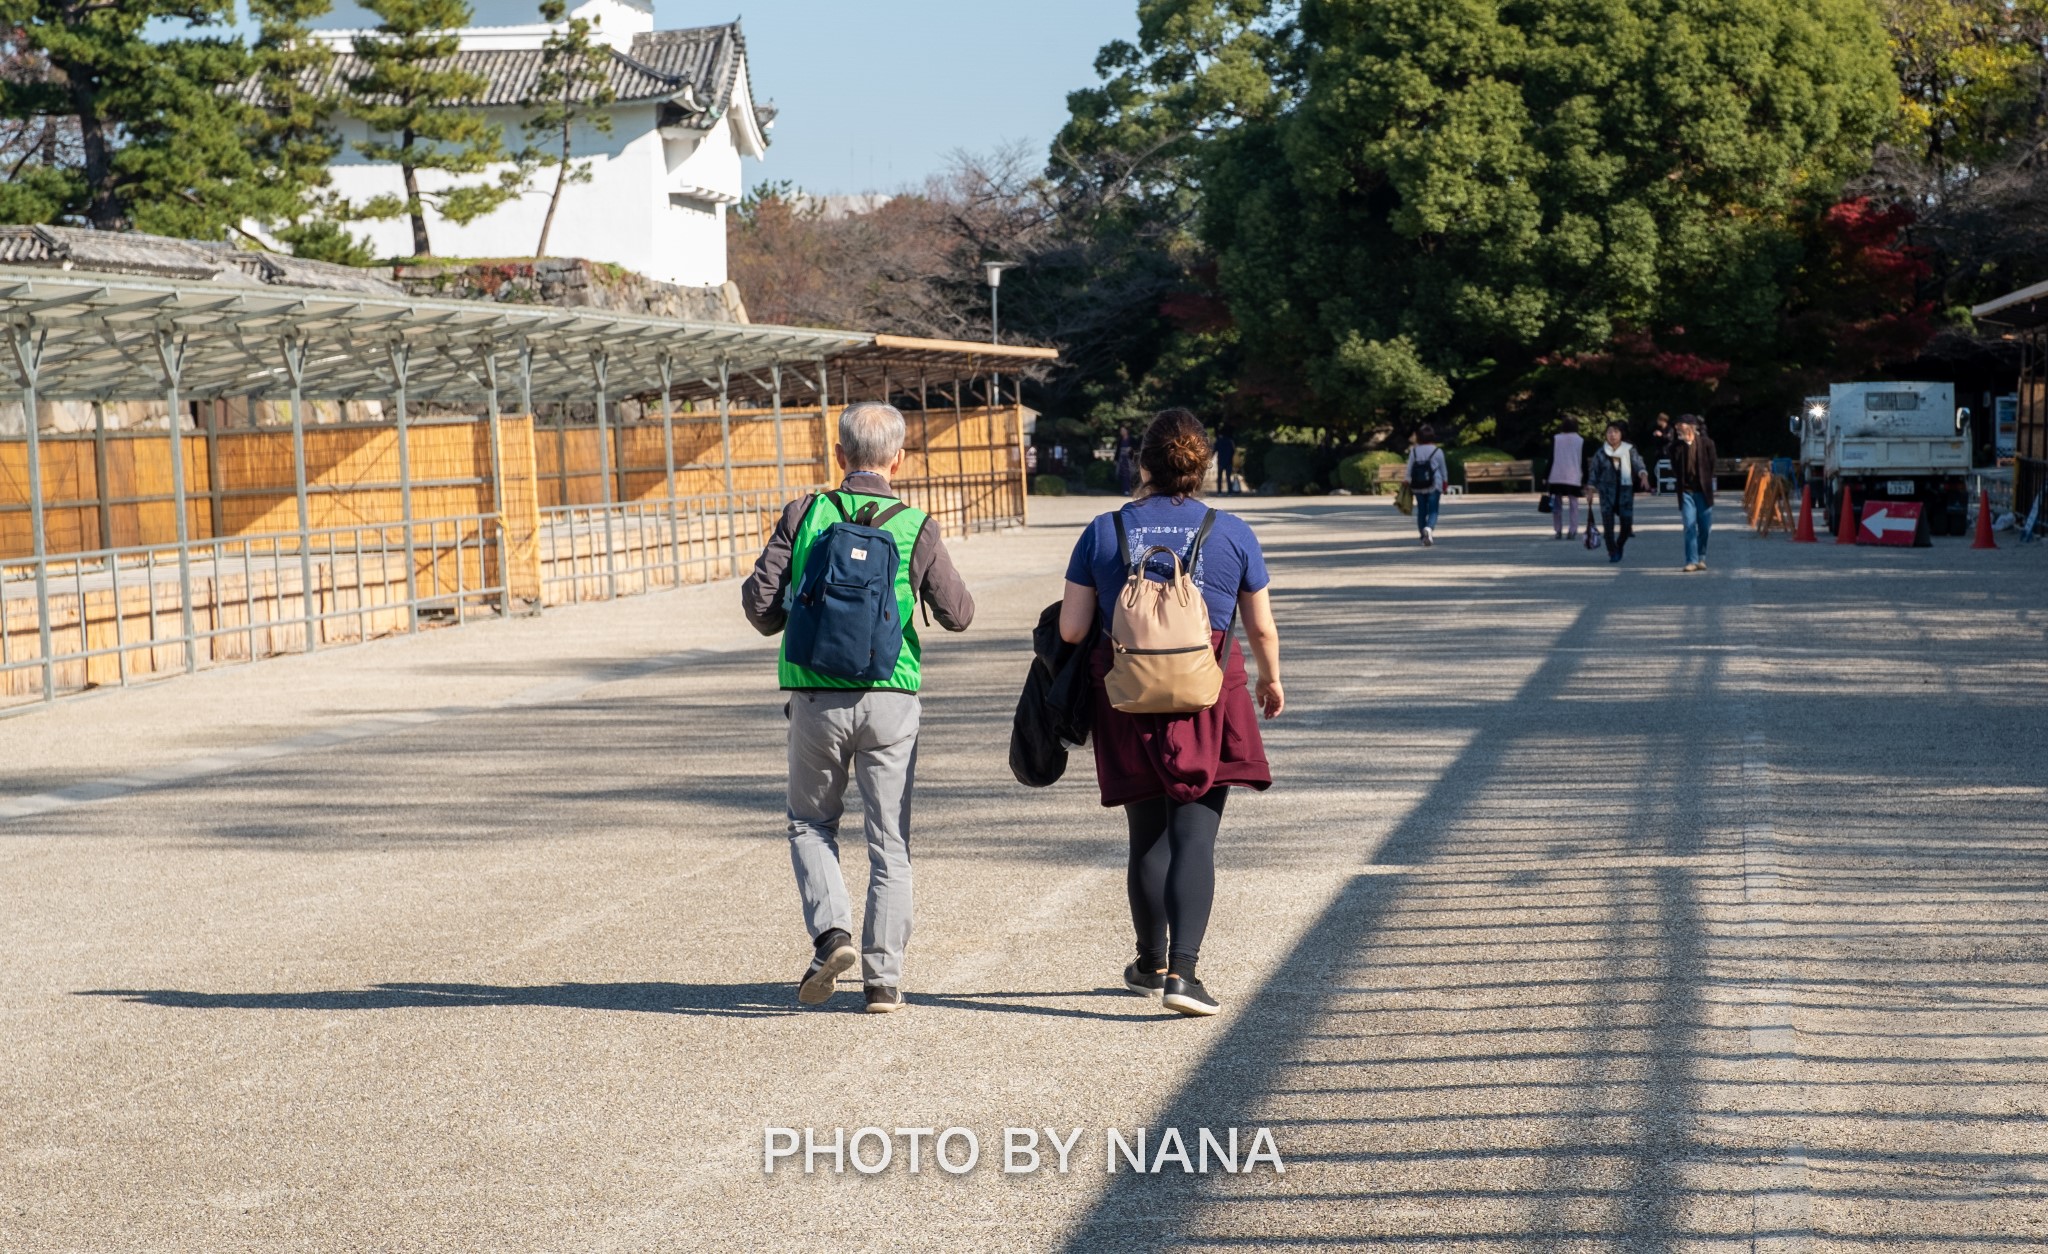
152	130
294	137
411	94
574	86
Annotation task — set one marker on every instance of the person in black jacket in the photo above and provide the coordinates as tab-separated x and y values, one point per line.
1692	462
1056	708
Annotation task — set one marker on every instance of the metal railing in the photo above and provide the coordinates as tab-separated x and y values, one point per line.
122	615
125	614
598	552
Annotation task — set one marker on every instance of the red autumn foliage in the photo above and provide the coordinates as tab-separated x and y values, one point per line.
1637	350
1858	304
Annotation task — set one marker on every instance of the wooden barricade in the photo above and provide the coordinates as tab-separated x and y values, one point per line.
112	491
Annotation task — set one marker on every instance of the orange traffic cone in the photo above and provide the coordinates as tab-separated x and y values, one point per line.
1845	532
1804	535
1984	540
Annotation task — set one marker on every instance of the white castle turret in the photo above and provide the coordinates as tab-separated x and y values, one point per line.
661	182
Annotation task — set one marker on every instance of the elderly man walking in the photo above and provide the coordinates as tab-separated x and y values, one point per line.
841	579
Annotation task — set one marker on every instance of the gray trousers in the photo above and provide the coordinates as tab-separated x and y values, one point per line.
875	735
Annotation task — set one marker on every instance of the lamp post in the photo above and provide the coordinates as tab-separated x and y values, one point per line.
994	271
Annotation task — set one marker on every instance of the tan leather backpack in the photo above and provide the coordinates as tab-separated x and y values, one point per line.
1162	662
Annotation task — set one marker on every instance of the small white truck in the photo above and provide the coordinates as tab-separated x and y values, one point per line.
1888	442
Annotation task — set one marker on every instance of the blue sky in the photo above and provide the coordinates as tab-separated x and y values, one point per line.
875	93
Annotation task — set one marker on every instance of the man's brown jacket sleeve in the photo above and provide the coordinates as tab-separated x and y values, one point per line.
932	575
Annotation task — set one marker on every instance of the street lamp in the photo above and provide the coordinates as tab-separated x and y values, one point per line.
994	271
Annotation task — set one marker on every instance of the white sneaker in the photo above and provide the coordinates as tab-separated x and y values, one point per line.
1428	536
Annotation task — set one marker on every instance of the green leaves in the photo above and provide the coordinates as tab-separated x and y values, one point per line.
1465	190
126	130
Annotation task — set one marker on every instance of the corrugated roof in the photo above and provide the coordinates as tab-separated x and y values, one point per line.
97	337
660	65
2015	309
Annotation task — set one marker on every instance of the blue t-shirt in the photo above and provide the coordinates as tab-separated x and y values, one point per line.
1231	562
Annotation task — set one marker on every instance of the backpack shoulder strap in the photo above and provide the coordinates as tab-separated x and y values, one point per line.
1123	540
882	519
839	505
1201	538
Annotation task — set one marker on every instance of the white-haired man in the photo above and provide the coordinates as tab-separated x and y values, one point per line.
865	725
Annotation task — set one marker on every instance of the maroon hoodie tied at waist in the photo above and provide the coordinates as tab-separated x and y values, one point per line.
1178	756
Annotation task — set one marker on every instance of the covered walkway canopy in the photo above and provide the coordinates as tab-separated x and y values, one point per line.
338	532
883	366
78	336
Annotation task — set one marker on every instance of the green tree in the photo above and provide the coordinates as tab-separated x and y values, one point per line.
1119	279
109	125
411	96
293	135
1966	159
573	87
1470	189
150	135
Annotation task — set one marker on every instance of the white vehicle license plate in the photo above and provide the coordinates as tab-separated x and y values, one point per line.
1898	487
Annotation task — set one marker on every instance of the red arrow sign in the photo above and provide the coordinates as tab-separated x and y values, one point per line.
1889	522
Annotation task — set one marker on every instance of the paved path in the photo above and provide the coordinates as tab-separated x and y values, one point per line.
1593	909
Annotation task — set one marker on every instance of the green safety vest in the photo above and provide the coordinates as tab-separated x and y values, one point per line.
904	529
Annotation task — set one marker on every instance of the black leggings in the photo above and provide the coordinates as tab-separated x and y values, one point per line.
1172	876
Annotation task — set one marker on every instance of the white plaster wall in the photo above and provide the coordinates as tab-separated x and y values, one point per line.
689	240
625	215
611	218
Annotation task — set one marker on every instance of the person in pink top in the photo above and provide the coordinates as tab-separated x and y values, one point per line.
1567	482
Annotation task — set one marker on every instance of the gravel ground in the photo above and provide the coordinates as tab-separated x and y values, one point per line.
1593	908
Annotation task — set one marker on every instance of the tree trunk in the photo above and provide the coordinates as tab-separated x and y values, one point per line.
561	179
414	205
105	209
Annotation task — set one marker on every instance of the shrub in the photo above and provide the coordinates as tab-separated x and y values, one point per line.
1048	485
1099	475
1361	471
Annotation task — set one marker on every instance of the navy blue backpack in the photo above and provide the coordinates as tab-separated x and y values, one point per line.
843	618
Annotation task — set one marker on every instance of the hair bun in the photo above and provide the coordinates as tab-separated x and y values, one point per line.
1187	452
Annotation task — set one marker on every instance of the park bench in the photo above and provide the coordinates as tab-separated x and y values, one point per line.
1475	472
1500	472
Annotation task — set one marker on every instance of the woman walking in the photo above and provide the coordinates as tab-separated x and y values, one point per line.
1567	481
1427	476
1172	773
1617	474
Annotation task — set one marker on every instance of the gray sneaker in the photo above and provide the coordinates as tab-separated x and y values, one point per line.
836	956
883	998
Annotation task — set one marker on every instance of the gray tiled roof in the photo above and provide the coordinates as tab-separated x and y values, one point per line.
131	252
116	252
659	66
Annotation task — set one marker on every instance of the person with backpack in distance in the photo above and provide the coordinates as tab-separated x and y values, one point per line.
1617	473
840	579
1175	727
1427	476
